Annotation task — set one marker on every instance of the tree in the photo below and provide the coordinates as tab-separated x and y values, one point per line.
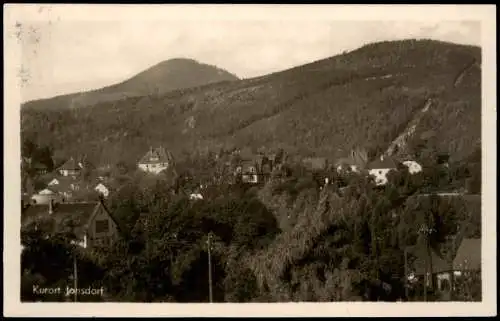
28	148
43	155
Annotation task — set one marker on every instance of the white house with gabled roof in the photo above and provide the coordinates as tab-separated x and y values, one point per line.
102	189
413	166
379	169
155	160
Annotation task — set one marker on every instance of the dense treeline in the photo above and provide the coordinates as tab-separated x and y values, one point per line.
292	239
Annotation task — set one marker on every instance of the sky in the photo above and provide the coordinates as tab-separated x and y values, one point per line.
63	52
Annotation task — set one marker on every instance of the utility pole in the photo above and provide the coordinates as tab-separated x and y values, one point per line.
75	269
75	276
429	255
427	258
425	276
210	267
146	225
406	274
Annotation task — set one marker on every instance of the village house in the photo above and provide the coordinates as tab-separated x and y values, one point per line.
355	162
265	166
91	222
70	168
102	189
379	169
248	170
344	166
39	168
431	268
255	169
195	196
68	187
276	160
45	196
413	166
155	160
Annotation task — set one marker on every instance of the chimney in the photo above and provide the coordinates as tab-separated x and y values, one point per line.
51	206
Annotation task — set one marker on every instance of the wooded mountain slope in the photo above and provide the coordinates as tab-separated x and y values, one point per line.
363	98
163	77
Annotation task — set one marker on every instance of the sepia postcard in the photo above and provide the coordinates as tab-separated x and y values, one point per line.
249	160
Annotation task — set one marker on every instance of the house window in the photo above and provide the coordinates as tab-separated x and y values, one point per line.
98	242
102	241
445	285
101	226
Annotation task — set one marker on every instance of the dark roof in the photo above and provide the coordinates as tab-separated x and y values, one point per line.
345	161
247	163
154	156
79	213
468	255
70	164
38	165
422	259
386	162
50	188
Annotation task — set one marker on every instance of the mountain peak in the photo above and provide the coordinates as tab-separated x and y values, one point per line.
165	76
180	59
174	74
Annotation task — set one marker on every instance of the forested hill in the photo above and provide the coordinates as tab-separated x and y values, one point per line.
364	98
169	75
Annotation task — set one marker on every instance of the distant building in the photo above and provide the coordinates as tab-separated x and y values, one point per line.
39	168
355	162
155	161
67	187
413	166
256	168
102	189
428	266
54	182
45	196
249	171
379	169
195	196
70	168
346	166
91	222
